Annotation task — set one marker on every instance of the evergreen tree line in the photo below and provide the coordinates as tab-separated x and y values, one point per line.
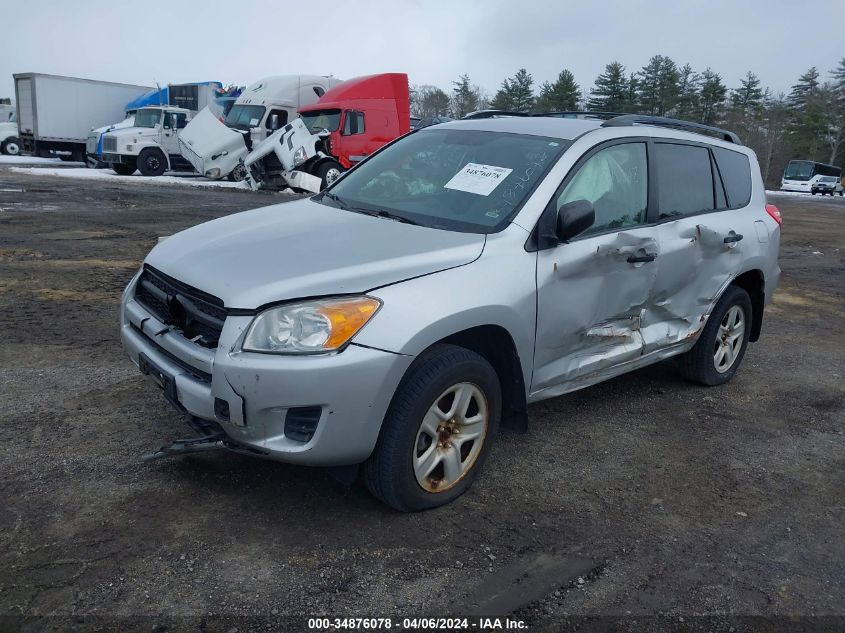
808	123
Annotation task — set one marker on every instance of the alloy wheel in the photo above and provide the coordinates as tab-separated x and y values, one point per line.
729	339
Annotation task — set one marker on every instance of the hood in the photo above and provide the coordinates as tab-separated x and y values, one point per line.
305	249
206	142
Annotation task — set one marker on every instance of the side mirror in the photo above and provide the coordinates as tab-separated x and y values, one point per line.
574	218
274	121
174	121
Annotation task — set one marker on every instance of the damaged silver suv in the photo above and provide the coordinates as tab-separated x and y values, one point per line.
454	277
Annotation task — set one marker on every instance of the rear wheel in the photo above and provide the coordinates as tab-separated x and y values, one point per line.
151	162
124	169
11	147
720	348
328	172
437	431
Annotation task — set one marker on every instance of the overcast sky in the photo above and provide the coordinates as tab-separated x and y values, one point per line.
240	41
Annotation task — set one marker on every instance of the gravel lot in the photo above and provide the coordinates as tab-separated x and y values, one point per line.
642	496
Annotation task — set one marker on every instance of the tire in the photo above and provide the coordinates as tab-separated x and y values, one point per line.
238	174
152	162
700	363
429	383
11	146
124	169
328	172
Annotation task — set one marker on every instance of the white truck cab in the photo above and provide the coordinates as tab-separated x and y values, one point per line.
151	145
10	144
216	149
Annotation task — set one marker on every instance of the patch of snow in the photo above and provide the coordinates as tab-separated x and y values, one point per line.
29	160
107	174
801	194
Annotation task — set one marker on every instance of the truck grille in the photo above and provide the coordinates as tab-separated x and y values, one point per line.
109	144
197	314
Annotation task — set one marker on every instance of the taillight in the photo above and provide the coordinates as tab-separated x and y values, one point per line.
773	211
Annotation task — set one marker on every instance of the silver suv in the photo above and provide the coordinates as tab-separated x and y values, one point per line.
457	275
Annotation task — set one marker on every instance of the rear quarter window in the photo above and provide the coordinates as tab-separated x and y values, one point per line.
735	170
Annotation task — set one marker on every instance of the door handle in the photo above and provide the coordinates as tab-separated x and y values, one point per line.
639	259
731	239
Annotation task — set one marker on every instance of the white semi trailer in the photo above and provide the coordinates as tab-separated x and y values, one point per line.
55	113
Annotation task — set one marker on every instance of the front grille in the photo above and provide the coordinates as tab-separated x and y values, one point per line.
109	144
197	314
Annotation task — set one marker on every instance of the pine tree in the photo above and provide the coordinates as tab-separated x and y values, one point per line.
658	86
838	107
809	106
688	93
610	91
464	99
630	104
748	98
563	94
713	94
503	99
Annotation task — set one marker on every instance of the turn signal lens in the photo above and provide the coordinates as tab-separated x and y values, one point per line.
346	318
773	211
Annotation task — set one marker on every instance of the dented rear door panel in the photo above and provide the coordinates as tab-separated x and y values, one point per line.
695	267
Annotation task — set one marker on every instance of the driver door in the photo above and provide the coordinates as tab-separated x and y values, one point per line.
170	136
592	291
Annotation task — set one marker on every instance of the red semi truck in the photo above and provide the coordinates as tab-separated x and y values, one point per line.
347	124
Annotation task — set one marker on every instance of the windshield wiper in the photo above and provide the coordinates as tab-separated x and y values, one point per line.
376	213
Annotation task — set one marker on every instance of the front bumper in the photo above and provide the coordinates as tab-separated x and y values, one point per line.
110	158
353	388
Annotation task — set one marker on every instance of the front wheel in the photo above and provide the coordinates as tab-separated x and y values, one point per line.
722	344
11	147
125	169
437	431
328	172
151	162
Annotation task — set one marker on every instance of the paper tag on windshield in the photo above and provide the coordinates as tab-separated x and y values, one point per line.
253	122
476	178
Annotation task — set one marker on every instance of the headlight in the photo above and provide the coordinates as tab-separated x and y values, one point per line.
309	327
299	156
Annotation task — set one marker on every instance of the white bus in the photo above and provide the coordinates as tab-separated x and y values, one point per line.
801	175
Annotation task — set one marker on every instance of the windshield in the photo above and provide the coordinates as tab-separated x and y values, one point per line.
799	170
147	118
321	119
245	116
463	180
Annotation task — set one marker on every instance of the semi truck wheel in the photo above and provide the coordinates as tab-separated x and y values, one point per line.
151	162
328	172
124	169
11	146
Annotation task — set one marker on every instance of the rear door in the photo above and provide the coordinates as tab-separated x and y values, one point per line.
593	291
704	229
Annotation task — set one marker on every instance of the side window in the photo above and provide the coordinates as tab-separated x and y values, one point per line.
181	120
685	180
615	180
283	119
319	91
735	170
354	123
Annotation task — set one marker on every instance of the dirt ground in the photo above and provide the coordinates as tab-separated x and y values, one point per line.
644	503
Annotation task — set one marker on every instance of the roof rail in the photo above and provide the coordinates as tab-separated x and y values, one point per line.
580	114
631	119
490	114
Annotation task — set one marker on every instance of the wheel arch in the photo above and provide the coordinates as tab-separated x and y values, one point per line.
496	345
754	283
